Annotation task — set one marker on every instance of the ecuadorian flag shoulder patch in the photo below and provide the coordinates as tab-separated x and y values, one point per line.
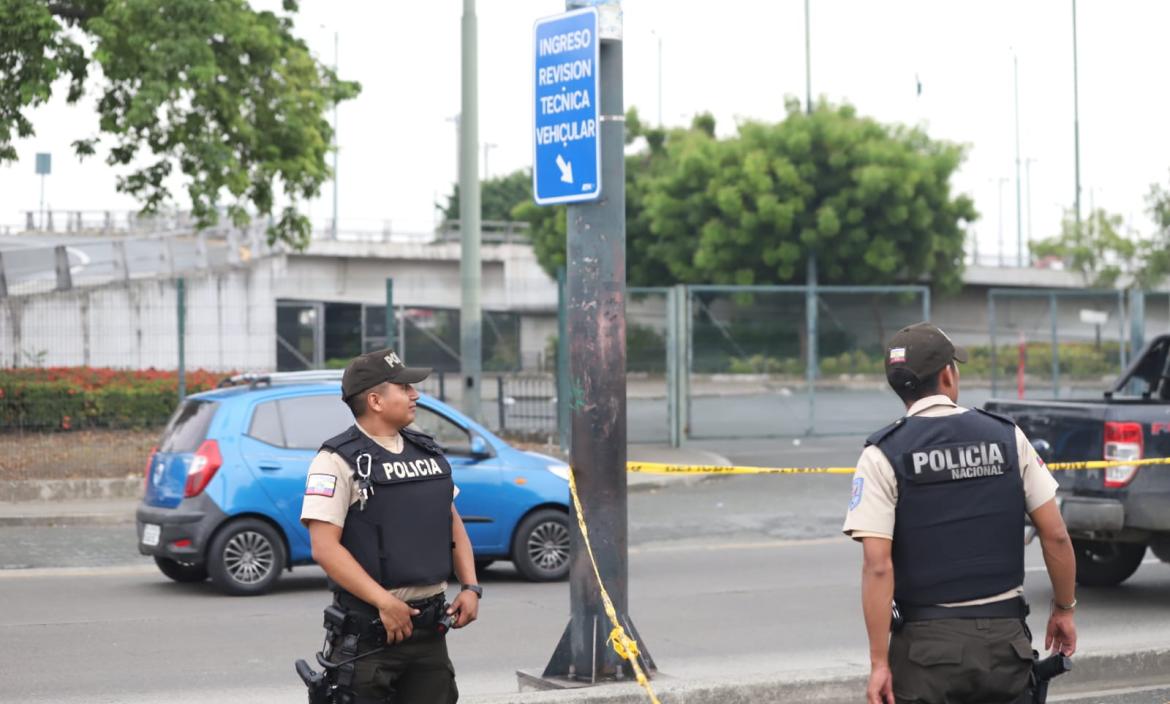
321	485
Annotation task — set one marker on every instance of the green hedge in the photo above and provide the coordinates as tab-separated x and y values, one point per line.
65	399
1078	360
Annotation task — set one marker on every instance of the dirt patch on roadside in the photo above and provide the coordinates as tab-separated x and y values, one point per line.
81	454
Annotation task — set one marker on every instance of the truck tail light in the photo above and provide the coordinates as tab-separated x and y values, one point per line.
203	467
1123	441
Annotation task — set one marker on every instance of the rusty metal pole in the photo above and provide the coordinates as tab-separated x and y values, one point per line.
596	272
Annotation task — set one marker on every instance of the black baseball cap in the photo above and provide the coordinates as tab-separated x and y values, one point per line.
373	368
917	351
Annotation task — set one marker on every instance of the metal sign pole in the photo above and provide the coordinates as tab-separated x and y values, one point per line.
596	272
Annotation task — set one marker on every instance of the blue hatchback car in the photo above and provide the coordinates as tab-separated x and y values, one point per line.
224	487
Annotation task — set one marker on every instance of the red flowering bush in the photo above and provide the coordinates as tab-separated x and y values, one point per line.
74	398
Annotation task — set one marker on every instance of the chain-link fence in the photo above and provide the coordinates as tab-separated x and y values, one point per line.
1052	343
749	371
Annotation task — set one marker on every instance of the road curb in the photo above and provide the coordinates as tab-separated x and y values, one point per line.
1090	672
70	489
73	519
637	483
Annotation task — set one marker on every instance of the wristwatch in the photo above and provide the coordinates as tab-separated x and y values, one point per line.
474	589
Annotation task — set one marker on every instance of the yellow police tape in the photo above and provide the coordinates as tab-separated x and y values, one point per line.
664	468
625	646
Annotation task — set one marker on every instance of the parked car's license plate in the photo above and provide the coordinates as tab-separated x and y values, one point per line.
150	534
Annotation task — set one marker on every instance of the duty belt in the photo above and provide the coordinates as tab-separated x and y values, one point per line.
1016	608
366	621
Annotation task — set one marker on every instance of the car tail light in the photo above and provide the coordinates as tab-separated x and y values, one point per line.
203	467
149	464
1123	441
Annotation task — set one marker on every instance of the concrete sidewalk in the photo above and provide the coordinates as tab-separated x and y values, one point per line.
113	501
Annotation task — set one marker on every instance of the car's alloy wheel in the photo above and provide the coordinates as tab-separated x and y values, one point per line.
540	549
245	557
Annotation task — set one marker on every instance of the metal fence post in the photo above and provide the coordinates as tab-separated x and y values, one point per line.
64	276
500	405
391	327
926	303
3	278
1137	324
688	333
181	295
1052	312
442	387
810	315
672	366
991	329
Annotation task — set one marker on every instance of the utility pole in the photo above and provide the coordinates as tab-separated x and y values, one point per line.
470	350
333	226
808	106
1019	199
1076	118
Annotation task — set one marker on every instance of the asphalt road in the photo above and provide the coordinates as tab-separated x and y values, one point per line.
728	576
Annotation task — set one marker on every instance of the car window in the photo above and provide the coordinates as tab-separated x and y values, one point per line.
453	437
309	421
187	428
265	425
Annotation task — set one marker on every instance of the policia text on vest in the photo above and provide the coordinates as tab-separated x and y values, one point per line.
379	508
939	502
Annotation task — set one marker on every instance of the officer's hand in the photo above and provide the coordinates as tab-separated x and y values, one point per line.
881	686
1062	632
465	608
395	614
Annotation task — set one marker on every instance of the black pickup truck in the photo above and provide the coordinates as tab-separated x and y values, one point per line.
1113	514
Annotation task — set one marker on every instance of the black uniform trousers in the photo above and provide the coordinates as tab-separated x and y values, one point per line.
415	671
962	661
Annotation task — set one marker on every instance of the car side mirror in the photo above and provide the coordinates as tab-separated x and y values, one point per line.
479	448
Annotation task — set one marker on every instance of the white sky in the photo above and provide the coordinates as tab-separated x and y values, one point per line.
737	59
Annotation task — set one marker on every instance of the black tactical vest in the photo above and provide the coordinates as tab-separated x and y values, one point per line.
403	536
959	522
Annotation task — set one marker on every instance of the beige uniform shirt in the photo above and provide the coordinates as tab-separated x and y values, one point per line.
875	488
329	492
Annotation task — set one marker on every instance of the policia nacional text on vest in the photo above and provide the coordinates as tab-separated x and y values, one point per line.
399	531
959	520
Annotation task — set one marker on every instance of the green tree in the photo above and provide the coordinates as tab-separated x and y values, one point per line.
1097	250
223	94
497	197
872	201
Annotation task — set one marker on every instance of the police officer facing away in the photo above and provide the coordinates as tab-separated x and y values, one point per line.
380	513
938	504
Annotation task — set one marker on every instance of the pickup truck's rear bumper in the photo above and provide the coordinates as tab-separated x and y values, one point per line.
1084	514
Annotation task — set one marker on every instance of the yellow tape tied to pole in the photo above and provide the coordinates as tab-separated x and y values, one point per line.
663	468
622	644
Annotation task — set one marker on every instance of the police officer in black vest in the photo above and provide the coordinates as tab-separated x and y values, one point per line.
938	504
383	525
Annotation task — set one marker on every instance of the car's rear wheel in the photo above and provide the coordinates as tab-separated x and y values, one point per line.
184	572
245	557
1104	564
540	549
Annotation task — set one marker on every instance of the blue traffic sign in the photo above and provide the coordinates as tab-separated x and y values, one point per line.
567	148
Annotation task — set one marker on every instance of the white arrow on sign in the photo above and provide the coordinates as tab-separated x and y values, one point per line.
566	168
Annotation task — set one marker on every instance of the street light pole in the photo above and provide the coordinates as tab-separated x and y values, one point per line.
333	226
659	38
470	344
1019	199
1028	190
808	106
1076	118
